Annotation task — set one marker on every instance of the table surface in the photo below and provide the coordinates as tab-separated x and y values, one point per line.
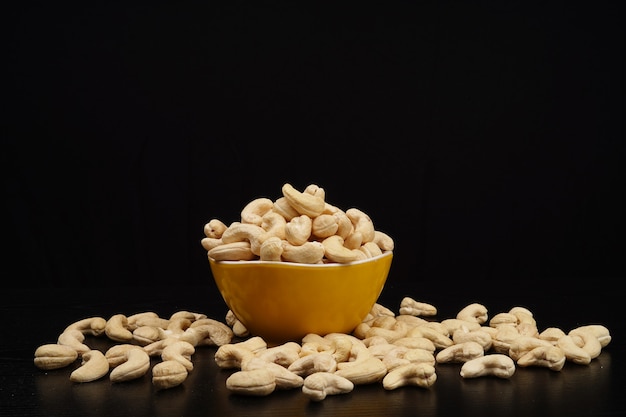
36	316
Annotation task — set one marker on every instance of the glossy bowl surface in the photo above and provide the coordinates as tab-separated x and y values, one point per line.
284	301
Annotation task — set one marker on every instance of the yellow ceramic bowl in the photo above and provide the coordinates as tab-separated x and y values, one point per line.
284	301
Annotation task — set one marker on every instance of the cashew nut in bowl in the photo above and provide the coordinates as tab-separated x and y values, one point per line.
304	203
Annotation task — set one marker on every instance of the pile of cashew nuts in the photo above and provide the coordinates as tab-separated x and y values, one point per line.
297	227
395	350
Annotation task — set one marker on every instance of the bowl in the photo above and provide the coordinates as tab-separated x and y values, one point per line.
284	301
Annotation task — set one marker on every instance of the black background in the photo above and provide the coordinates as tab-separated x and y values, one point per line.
485	137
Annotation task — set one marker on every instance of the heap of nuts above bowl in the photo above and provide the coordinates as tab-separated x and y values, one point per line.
299	226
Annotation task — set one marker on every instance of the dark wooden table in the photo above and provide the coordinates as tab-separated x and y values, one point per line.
36	316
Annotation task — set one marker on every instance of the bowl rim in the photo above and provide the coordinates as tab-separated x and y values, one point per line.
288	264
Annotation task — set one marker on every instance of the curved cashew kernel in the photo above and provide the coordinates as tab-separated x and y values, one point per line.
190	315
438	327
304	203
599	331
282	207
236	251
324	225
454	324
314	343
461	352
342	348
231	355
209	243
254	211
479	336
214	229
257	382
147	318
74	339
315	362
590	342
552	334
379	350
524	344
207	335
413	321
415	342
315	190
528	329
298	230
522	312
271	249
336	252
354	240
440	341
362	223
117	328
319	385
364	371
503	318
473	312
136	365
550	357
411	307
383	240
283	378
391	335
54	356
412	374
497	364
168	374
178	326
274	225
307	253
94	366
156	348
572	351
240	232
179	351
505	335
344	225
145	335
370	249
283	355
118	354
380	310
93	326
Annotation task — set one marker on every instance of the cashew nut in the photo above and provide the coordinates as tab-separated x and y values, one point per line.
298	230
572	351
179	351
214	229
257	382
497	364
461	352
93	326
54	356
271	249
168	374
319	385
304	203
550	357
308	253
411	374
324	225
74	338
117	328
316	362
362	224
474	312
364	371
236	251
336	251
254	211
136	365
94	366
244	232
411	307
284	379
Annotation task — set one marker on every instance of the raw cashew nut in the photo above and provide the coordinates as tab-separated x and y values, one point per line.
241	232
117	328
274	225
257	382
362	224
364	371
136	365
236	251
497	364
572	351
319	385
383	240
473	312
316	362
409	306
412	374
283	378
337	252
550	357
308	253
588	341
93	326
282	207
461	352
272	249
179	351
168	374
74	338
254	211
344	225
298	230
599	331
214	229
324	225
304	203
94	366
54	356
